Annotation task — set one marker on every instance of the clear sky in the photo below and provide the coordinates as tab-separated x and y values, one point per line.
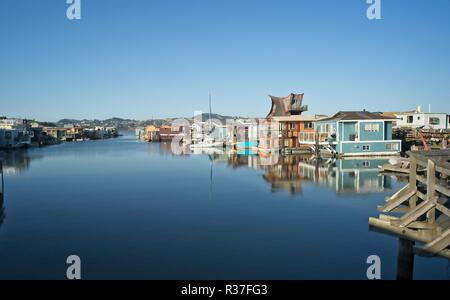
160	58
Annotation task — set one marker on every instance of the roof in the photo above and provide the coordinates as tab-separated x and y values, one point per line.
287	106
298	118
358	115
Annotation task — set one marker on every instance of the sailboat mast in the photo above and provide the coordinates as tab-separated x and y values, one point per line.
210	111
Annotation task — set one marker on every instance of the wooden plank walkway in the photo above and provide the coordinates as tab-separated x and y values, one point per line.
424	202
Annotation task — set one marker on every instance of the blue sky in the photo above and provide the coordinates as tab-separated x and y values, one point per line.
159	58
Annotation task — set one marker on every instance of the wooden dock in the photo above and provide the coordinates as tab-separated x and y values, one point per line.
423	203
2	214
2	182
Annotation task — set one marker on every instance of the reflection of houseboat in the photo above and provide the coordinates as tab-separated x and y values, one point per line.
344	175
348	175
15	162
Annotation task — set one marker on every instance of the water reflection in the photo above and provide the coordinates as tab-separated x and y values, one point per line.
290	173
153	228
15	162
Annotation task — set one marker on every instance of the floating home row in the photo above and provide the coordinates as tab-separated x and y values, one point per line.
19	133
287	129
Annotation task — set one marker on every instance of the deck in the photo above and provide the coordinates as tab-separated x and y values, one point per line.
424	205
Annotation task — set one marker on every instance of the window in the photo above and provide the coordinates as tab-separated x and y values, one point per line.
366	164
434	121
410	120
392	147
372	127
366	147
292	125
308	125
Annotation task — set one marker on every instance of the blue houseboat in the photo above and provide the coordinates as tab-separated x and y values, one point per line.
357	133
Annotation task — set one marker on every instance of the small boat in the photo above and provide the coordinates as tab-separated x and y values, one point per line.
396	165
207	143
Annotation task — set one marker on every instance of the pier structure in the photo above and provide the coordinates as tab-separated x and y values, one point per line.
2	183
2	214
423	205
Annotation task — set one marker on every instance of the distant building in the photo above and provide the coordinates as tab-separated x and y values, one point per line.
14	134
418	118
13	123
167	133
58	133
357	133
139	132
151	133
14	138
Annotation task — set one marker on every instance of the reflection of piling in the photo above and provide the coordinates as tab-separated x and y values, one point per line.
405	260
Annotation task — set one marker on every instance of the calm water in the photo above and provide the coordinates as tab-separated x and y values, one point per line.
132	210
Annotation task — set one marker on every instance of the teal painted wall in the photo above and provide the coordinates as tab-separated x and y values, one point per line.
357	147
388	130
348	128
370	135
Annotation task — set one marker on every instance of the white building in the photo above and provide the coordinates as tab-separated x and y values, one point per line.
417	118
12	123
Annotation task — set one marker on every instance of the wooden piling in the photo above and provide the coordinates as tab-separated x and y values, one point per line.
420	222
405	260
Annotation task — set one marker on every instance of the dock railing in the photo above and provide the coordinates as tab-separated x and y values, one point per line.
424	204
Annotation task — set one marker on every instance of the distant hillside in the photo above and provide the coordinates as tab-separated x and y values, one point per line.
125	124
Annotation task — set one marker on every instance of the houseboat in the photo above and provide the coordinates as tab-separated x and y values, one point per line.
167	133
355	133
419	119
14	138
14	134
286	127
139	132
151	133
